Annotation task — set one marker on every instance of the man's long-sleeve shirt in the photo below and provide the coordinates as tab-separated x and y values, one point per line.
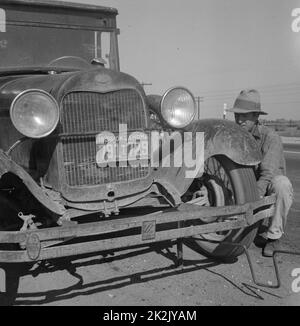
273	162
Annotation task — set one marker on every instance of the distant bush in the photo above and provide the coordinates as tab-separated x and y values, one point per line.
294	133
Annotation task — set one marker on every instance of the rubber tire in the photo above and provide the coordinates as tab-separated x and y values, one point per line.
12	281
245	190
13	272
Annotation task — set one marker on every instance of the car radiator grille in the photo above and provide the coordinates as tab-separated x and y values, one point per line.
91	113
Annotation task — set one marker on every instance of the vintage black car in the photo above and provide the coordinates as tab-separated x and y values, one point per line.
60	88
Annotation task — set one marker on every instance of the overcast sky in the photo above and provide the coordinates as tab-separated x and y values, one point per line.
215	48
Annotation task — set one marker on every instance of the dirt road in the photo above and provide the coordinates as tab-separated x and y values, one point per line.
148	277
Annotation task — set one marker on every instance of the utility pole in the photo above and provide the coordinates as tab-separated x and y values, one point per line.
199	99
225	111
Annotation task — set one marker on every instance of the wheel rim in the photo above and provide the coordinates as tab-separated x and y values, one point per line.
220	193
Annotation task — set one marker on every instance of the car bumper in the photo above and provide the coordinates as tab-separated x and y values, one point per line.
109	235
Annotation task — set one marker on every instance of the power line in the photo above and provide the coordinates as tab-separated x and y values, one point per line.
146	84
288	91
265	93
262	87
294	94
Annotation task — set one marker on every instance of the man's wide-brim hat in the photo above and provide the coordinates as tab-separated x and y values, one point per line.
248	102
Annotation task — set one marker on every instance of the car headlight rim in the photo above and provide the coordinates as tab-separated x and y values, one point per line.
192	116
54	107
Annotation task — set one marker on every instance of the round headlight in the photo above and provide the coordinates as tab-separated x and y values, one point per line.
34	113
178	107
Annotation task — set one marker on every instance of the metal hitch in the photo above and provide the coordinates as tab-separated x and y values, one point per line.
249	260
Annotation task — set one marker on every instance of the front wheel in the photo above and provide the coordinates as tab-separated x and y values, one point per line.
227	183
12	272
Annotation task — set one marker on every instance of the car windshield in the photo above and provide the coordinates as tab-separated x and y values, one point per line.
34	46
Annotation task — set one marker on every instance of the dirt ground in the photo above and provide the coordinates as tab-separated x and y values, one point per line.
148	277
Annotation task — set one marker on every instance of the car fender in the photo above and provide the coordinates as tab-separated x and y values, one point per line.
7	165
221	137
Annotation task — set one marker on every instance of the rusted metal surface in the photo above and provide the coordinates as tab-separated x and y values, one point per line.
234	217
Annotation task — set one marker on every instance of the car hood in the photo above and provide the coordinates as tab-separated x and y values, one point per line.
59	84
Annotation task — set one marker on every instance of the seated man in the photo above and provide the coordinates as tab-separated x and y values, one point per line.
271	173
